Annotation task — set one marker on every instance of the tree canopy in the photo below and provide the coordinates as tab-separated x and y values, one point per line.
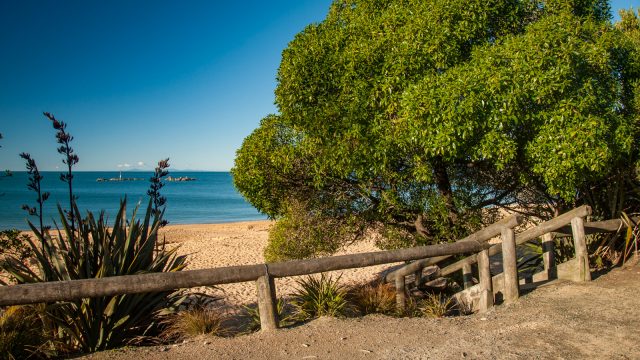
424	117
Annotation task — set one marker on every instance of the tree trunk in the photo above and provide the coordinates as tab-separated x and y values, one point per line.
444	187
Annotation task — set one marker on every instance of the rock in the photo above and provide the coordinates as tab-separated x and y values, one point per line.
436	285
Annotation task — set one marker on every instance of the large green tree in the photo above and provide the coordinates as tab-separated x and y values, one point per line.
425	117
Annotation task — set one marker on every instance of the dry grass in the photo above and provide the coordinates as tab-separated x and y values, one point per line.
437	305
22	334
376	298
194	322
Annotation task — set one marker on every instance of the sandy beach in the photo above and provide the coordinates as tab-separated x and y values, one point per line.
243	243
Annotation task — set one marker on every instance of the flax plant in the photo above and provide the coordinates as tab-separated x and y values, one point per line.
70	159
319	296
34	184
88	248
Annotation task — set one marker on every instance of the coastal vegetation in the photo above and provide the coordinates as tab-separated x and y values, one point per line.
422	119
85	247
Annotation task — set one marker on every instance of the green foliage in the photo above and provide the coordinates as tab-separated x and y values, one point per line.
300	235
319	296
378	298
15	244
253	314
416	116
96	251
22	333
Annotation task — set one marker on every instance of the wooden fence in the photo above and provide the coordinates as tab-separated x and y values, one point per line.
481	297
264	274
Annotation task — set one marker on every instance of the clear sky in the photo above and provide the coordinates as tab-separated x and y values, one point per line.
142	80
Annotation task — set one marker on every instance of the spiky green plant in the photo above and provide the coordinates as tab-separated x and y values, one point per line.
319	296
97	251
252	312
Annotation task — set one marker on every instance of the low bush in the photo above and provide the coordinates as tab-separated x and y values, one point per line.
301	234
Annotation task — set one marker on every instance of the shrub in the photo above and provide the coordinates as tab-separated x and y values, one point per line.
301	234
319	296
437	305
377	298
14	243
96	251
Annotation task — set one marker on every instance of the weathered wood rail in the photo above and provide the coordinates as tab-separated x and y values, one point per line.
264	274
568	224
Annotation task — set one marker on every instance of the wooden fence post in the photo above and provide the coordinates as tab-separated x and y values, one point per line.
484	273
549	256
582	256
418	277
510	266
467	276
401	295
267	302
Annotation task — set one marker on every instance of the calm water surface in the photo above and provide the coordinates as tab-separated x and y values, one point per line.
210	199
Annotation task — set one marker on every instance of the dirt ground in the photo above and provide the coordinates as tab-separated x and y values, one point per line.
595	320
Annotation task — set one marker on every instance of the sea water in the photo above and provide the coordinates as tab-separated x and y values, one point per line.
210	198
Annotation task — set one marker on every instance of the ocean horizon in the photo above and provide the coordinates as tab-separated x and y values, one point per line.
211	198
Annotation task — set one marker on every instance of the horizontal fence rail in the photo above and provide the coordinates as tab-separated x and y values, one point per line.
481	236
550	226
157	282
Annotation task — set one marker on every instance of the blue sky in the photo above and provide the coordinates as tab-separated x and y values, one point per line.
142	80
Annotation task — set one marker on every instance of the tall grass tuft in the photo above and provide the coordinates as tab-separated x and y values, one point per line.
22	333
319	296
437	305
376	298
193	322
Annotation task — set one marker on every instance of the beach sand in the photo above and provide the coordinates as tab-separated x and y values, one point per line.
243	243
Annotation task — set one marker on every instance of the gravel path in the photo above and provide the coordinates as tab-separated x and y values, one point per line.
595	320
